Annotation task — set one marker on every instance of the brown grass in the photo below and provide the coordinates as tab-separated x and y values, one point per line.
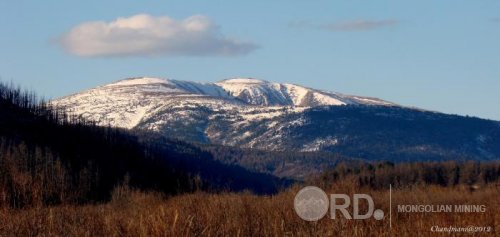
132	213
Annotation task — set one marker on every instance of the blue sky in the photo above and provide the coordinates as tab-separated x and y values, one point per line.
438	55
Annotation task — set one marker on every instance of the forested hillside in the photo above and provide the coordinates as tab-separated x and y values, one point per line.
394	133
292	164
48	157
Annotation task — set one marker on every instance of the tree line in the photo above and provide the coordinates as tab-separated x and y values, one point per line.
379	175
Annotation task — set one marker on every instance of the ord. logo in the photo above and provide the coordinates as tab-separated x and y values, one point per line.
312	203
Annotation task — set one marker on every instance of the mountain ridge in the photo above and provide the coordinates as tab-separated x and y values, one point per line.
258	114
142	95
225	85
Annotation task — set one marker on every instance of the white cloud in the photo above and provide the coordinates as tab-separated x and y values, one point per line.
145	35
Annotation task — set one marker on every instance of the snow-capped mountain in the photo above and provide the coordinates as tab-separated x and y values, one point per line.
132	102
252	113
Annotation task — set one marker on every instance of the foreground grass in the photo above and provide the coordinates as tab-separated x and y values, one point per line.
201	214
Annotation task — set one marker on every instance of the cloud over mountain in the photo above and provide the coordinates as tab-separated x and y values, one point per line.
145	35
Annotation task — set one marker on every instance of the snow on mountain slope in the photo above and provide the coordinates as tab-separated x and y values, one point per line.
126	103
264	93
255	92
231	112
173	86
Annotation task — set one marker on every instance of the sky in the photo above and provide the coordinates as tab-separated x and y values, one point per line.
436	55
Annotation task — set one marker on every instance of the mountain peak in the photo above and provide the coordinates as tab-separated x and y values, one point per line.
140	81
251	91
244	80
142	94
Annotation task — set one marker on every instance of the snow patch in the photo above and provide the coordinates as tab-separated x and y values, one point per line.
320	143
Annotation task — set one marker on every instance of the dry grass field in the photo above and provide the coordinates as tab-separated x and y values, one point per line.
132	213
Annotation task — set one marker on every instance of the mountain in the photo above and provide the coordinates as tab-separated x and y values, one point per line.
131	102
188	110
252	113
